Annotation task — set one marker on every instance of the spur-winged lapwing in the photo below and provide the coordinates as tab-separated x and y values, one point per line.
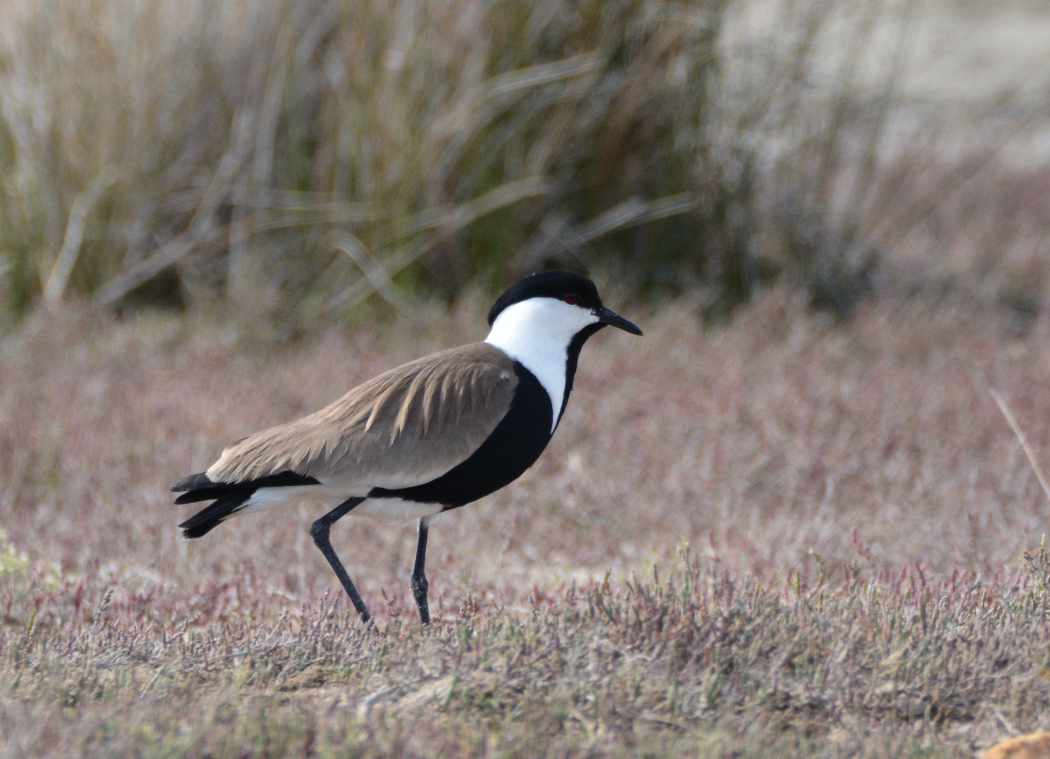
426	437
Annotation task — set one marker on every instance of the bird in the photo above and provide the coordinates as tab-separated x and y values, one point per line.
423	438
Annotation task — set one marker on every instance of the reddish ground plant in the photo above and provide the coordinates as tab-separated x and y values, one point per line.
784	534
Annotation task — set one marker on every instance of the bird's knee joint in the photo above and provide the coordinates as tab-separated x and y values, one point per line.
419	584
319	531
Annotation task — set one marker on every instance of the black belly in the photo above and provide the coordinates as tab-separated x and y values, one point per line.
512	448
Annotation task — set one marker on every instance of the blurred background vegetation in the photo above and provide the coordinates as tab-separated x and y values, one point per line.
301	157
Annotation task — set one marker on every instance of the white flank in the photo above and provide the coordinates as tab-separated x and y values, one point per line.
537	333
265	499
392	509
395	509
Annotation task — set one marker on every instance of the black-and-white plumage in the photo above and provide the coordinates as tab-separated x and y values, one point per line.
425	437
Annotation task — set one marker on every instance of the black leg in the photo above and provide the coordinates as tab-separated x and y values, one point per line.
419	578
319	530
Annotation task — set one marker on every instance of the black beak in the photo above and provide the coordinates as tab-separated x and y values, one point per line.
613	319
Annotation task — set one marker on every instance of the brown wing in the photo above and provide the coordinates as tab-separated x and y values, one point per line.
405	427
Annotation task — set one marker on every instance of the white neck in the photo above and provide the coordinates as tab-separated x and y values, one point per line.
537	333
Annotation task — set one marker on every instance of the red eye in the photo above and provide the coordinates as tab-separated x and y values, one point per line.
570	298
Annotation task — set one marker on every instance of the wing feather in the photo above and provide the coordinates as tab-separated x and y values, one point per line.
429	392
404	428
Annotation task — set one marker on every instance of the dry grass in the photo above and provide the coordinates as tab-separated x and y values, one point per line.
312	149
297	156
784	535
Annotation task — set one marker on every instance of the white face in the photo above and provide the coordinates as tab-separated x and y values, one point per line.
537	332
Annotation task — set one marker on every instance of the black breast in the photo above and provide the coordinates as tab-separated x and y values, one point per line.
512	448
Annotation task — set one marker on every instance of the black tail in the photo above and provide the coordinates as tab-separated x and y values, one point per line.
211	516
229	497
